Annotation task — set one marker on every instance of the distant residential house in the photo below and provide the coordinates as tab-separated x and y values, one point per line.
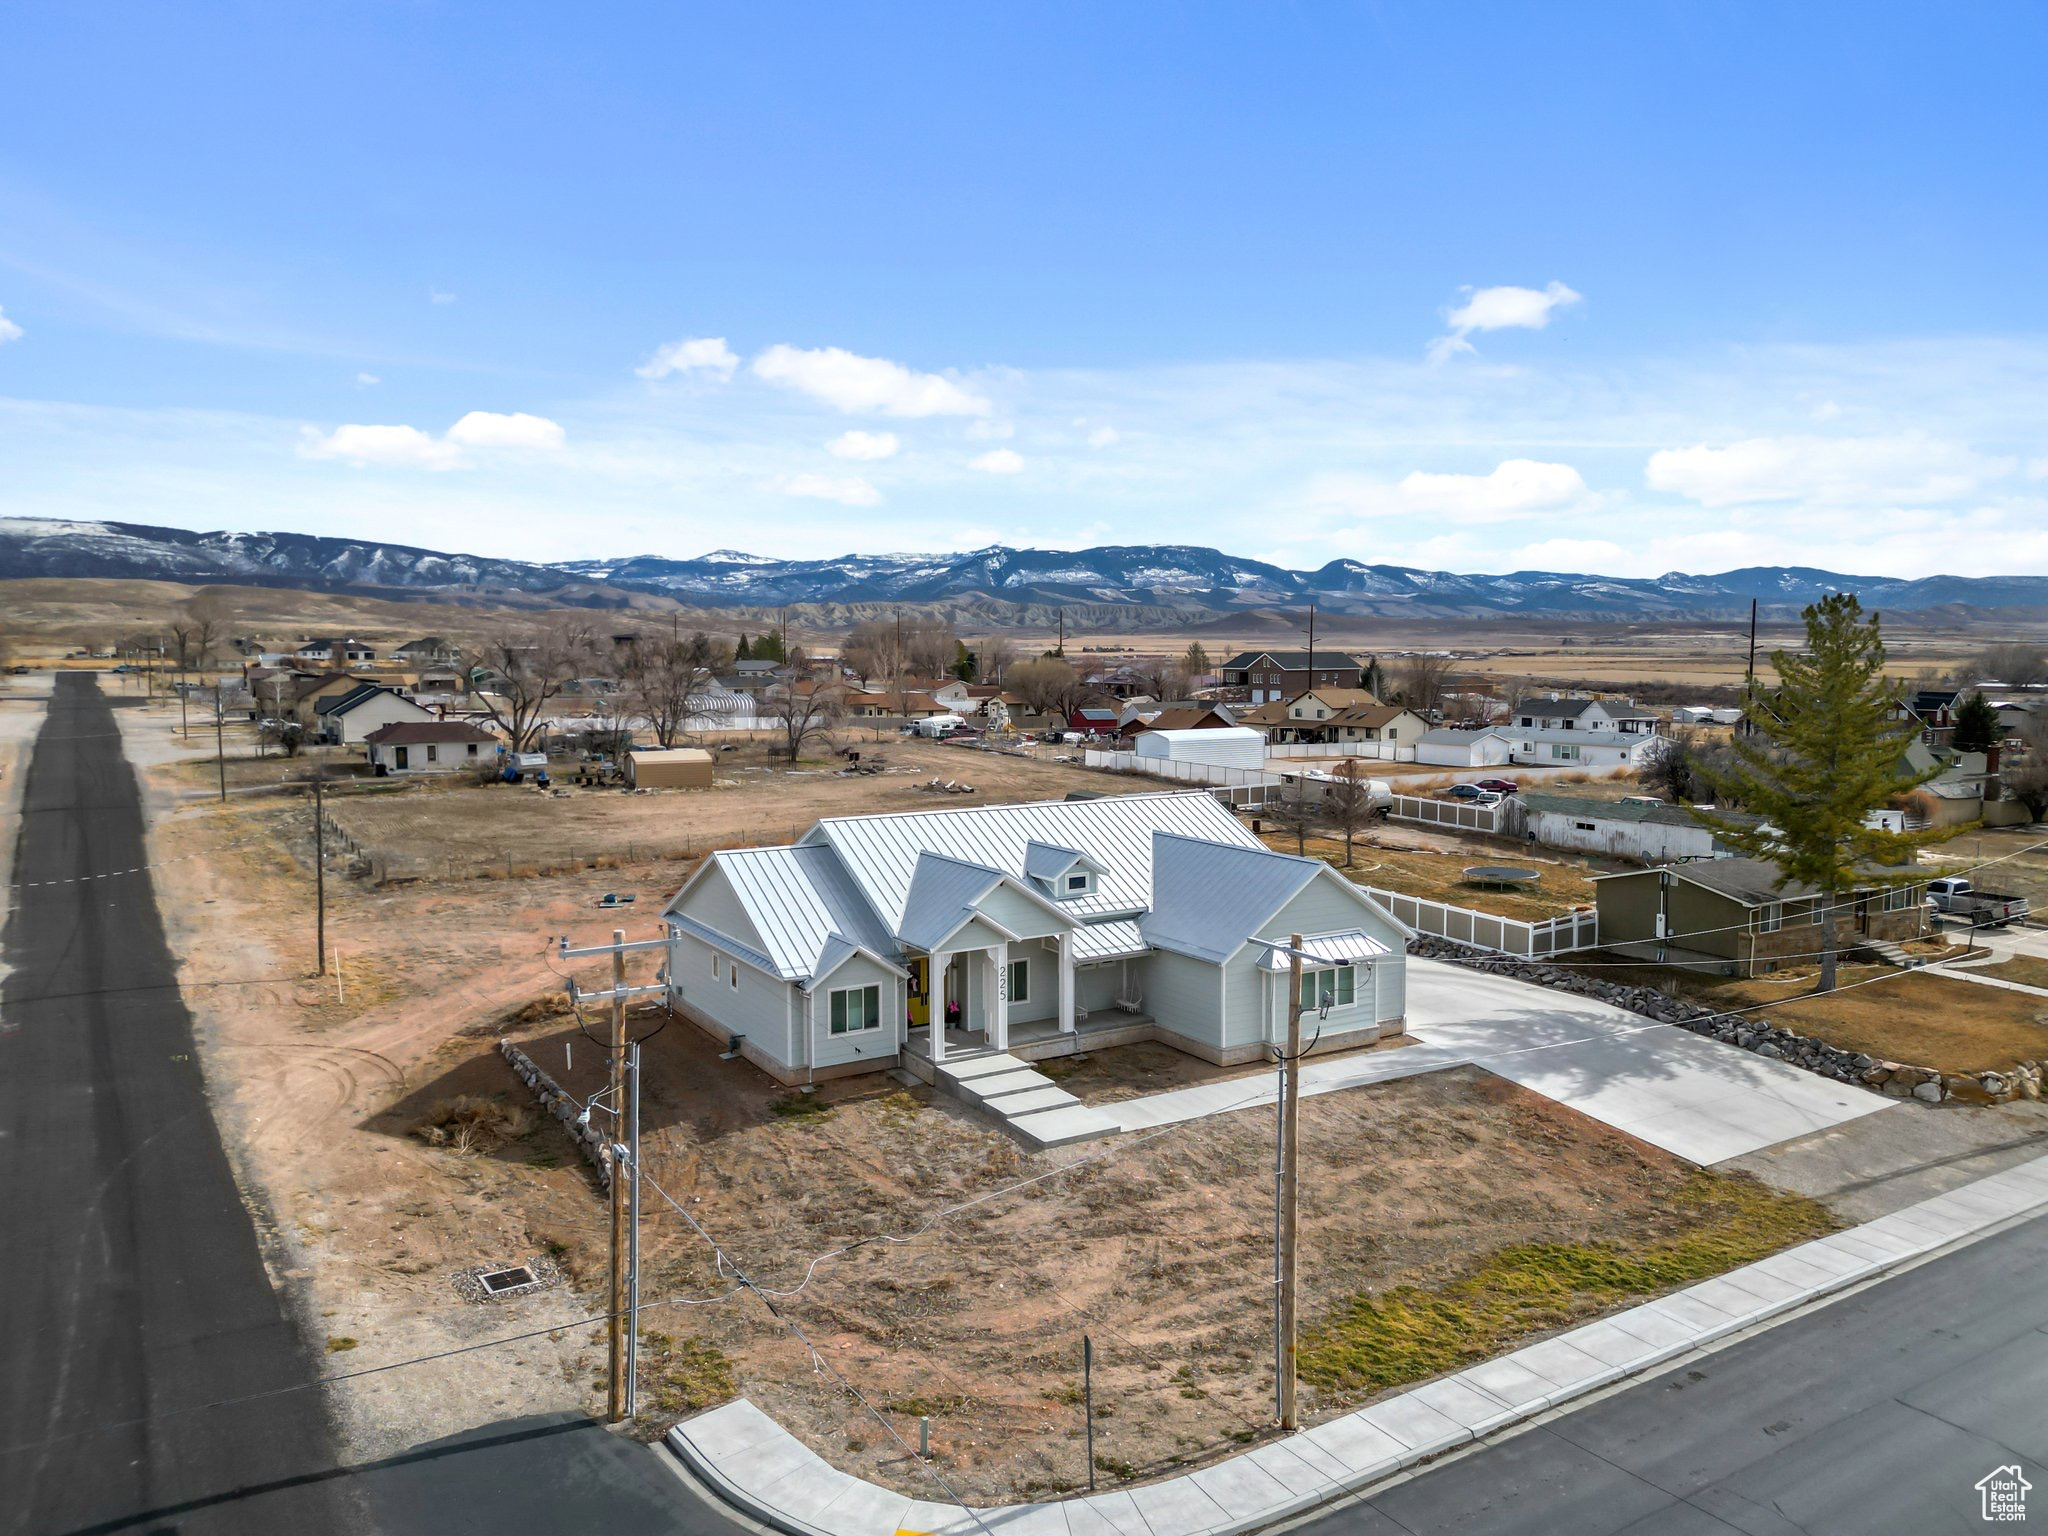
1119	682
428	746
349	718
1741	912
1582	748
1272	675
1177	717
336	649
867	704
1448	747
1096	718
310	689
1571	712
954	695
892	940
1636	828
429	650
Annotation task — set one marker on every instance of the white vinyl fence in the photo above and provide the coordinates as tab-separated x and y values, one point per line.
1461	814
1364	751
1552	936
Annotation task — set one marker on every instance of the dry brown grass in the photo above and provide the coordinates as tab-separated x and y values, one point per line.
1912	1016
1440	876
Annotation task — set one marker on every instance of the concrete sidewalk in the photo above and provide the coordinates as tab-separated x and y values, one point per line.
762	1469
1695	1097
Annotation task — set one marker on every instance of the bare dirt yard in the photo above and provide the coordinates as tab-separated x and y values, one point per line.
1433	867
456	827
393	1153
1921	1017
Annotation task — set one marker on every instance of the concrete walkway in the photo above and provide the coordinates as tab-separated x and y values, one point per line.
1692	1096
765	1471
1987	976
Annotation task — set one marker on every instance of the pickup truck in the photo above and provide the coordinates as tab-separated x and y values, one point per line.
1981	909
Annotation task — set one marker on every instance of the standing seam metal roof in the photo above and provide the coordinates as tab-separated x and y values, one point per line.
880	853
799	898
1209	899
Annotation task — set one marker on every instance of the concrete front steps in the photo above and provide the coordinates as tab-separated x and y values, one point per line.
1027	1103
1889	953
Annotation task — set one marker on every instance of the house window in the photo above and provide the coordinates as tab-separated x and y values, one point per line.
732	975
714	965
1898	899
1585	826
1333	987
855	1009
1020	981
472	749
1772	918
433	753
1565	752
1813	910
1077	885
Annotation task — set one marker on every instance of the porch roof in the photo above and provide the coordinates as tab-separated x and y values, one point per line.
1345	948
1109	941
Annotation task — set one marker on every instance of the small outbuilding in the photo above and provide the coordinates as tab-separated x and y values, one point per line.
1236	746
675	768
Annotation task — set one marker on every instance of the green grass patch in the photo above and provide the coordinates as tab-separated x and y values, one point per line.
684	1375
799	1106
1373	1343
339	1343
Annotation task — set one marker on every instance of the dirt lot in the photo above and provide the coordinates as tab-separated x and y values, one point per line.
455	827
1416	865
392	1151
1912	1016
2022	869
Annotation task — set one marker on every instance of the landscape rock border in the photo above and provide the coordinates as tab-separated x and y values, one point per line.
1894	1079
565	1108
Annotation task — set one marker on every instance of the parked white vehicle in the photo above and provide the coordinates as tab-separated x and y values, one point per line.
937	726
1984	909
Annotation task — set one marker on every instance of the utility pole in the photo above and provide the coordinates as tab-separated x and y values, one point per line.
633	1236
319	871
1311	645
1063	634
1287	1256
220	752
1749	674
623	1293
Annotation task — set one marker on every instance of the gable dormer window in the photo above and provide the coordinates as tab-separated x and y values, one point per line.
1078	883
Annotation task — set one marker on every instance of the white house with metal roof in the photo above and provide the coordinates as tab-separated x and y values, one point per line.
1037	930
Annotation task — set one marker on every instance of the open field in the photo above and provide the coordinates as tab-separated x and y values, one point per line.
1919	1017
1397	860
455	827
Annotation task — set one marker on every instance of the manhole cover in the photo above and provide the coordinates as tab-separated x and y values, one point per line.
497	1282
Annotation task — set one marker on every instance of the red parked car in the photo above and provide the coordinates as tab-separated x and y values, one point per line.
1501	786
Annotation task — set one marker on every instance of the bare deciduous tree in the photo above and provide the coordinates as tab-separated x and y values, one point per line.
664	683
995	658
2026	772
929	647
2015	662
1047	685
1294	815
1348	804
1423	680
527	668
803	715
872	651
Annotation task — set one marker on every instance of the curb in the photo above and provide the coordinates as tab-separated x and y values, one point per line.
793	1490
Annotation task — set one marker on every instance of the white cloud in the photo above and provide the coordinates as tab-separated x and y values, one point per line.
864	445
1514	488
998	461
490	429
367	379
696	354
1500	309
435	296
9	331
851	383
991	431
1103	437
392	446
847	490
1906	469
402	447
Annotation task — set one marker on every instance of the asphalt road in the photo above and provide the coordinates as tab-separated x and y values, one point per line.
1877	1414
150	1378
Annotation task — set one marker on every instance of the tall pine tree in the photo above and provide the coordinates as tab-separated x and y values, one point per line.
1828	748
1977	725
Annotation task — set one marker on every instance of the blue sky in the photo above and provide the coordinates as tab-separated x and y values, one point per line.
1618	287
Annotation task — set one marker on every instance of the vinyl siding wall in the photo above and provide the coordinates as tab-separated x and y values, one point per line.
1184	995
713	903
873	1046
758	1007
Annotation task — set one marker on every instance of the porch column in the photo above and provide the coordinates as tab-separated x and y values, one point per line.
1066	969
999	1022
935	969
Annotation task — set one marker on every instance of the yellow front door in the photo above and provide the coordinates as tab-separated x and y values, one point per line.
920	991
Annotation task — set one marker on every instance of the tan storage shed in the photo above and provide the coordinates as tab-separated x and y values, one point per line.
677	768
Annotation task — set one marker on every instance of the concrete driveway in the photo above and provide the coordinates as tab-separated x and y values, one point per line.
1692	1096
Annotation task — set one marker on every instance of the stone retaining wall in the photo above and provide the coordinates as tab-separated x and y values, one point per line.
564	1108
1898	1080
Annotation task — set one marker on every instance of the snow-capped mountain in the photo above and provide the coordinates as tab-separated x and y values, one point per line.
1152	583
